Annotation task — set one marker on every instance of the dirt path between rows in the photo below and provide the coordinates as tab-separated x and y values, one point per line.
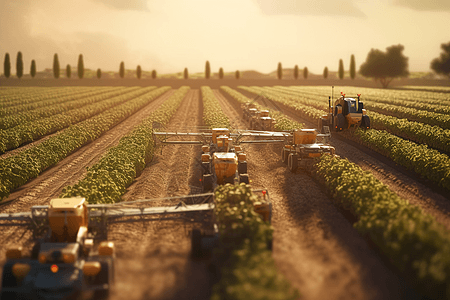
315	247
50	183
154	258
403	182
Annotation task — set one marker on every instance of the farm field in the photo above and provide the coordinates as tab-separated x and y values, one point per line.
315	245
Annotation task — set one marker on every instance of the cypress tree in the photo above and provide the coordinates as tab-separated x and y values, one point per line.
305	72
221	73
99	73
33	69
279	71
154	74
122	70
68	71
19	65
352	67
7	66
341	69
186	73
238	74
55	66
138	72
296	72
325	73
207	70
80	66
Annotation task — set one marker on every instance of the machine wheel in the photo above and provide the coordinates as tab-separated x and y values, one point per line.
103	278
341	122
365	122
8	280
284	155
196	243
207	183
242	167
243	178
293	162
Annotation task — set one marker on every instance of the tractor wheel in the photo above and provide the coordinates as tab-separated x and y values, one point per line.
242	167
103	277
341	122
365	122
284	155
293	162
8	281
207	183
196	244
243	178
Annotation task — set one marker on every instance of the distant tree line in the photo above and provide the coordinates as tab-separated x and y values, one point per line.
380	66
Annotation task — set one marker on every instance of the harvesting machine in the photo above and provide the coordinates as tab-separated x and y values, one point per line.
345	113
72	258
304	146
222	159
258	119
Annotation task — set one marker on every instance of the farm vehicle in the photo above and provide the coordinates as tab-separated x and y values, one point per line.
345	113
222	158
258	119
72	258
303	147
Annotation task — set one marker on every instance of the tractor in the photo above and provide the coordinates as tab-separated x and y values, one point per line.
258	119
347	112
303	148
64	262
222	159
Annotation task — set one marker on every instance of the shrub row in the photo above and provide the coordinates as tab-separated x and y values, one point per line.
247	268
16	170
28	132
107	180
213	115
54	100
412	240
24	117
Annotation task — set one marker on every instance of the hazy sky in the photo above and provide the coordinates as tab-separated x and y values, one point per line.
169	35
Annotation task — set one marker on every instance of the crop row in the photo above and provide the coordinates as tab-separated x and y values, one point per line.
27	116
427	162
23	95
283	123
412	240
28	132
213	115
391	96
54	101
107	180
247	269
433	136
16	170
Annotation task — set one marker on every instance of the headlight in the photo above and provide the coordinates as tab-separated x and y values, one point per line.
91	268
68	258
